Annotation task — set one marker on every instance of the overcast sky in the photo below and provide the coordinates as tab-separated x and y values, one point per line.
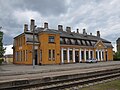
102	15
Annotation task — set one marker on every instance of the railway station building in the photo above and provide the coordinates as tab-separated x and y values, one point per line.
59	46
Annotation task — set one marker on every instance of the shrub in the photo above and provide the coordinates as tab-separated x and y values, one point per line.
1	60
117	56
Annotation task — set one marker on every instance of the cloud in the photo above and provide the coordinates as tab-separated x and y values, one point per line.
102	15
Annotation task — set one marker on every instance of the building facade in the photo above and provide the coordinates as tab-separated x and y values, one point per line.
59	46
118	44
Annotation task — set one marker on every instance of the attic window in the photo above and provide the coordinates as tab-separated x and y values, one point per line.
61	41
83	42
67	41
78	41
72	41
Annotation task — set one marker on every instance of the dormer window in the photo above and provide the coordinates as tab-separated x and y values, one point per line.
51	39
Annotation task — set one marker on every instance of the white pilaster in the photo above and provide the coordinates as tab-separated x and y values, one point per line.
85	54
93	54
89	55
80	56
98	55
68	55
62	61
101	55
73	54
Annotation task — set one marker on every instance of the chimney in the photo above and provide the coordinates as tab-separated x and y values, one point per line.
32	25
77	30
25	27
91	34
84	32
60	27
45	25
98	33
68	29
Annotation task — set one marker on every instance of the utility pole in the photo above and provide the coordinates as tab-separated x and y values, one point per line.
33	52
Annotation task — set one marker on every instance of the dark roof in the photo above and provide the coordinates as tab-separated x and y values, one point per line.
65	34
118	40
74	35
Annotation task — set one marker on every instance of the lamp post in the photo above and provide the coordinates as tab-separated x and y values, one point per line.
33	52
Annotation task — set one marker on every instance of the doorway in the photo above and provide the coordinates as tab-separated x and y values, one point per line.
106	55
77	56
36	57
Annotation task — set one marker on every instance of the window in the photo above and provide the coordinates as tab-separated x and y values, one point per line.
71	55
61	41
51	54
91	54
82	54
67	41
64	55
99	55
24	55
72	41
83	42
51	39
96	55
78	41
87	54
102	54
16	57
87	43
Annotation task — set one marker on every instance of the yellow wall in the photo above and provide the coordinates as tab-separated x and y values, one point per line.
45	46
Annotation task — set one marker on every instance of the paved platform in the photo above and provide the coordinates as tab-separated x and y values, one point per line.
8	70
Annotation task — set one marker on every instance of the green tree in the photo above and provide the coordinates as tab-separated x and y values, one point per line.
2	50
117	56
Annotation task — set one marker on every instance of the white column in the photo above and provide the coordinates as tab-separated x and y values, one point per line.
73	54
89	55
98	55
80	55
85	55
93	54
62	61
68	55
101	56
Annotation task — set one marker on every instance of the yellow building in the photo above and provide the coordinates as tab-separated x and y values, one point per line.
59	46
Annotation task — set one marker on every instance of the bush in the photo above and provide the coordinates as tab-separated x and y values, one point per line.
1	60
117	56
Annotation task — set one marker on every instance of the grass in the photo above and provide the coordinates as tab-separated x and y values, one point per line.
112	85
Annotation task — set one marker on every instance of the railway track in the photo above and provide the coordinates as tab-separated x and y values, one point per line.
65	81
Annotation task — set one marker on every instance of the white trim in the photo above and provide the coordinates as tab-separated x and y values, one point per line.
62	61
85	54
89	54
80	56
73	54
68	55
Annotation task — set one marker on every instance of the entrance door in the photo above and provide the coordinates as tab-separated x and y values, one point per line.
77	56
36	57
106	55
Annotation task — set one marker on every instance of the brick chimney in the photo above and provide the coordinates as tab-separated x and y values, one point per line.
98	33
84	32
60	27
91	34
25	27
45	25
32	24
77	30
68	29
